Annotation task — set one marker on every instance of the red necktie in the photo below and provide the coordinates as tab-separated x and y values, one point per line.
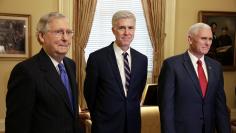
202	77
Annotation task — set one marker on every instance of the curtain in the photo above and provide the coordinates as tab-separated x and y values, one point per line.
84	11
154	12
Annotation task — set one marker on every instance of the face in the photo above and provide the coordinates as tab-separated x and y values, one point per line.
200	43
57	40
214	27
124	32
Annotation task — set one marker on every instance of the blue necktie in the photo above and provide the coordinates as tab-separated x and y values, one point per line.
127	71
65	80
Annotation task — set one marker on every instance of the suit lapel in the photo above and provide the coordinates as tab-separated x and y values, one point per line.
115	69
190	69
134	62
52	77
210	74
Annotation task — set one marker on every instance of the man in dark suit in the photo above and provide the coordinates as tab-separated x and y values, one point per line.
38	100
114	82
192	97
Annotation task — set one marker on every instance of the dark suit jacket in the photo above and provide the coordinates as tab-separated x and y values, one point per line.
36	99
111	111
182	107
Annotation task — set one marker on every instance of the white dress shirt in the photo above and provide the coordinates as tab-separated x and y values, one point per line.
120	63
194	60
55	63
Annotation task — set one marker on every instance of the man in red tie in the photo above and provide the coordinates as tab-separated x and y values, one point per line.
191	89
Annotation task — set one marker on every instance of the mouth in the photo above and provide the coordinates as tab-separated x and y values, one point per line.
63	45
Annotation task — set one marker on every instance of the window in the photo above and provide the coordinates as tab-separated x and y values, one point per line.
101	34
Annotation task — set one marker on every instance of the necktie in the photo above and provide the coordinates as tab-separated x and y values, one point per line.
127	71
201	77
65	80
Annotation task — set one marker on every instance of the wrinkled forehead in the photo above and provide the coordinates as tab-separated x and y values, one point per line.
58	23
124	22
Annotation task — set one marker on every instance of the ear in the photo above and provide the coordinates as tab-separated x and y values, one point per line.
190	40
40	37
113	30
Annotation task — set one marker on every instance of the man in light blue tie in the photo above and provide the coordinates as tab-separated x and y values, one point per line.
42	92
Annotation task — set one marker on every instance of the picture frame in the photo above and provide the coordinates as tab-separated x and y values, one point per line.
15	41
223	25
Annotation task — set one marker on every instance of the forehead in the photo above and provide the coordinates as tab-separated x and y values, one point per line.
204	32
57	23
125	21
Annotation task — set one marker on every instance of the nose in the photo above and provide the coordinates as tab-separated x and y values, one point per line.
208	42
127	31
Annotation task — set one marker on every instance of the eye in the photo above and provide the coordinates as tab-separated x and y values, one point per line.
59	32
122	28
131	28
69	32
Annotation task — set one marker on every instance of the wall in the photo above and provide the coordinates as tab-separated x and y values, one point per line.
37	9
186	14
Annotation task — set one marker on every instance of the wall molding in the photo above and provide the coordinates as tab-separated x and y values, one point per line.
66	7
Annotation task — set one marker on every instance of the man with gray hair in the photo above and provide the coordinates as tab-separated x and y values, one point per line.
191	89
115	79
42	91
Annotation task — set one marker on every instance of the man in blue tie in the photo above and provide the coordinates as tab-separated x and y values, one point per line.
115	79
191	89
42	91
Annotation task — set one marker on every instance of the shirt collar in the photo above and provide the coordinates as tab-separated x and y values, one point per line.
119	50
55	63
194	58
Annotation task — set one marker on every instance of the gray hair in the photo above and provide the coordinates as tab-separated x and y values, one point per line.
42	25
122	14
194	29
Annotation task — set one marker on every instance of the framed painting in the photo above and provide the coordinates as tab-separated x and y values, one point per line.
223	26
14	36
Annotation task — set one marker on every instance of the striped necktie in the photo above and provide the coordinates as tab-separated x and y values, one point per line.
127	71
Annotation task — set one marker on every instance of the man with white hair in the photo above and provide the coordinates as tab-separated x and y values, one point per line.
191	89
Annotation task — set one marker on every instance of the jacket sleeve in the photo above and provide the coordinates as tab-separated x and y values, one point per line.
90	84
222	114
166	95
19	101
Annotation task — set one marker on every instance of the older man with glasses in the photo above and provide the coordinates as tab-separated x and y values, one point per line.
42	91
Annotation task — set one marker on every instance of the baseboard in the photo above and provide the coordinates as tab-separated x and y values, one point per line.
2	125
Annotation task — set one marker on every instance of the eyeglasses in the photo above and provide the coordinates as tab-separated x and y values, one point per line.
60	33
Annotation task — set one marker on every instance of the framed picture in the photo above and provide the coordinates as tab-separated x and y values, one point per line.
223	25
14	36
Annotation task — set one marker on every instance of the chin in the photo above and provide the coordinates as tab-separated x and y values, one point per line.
63	51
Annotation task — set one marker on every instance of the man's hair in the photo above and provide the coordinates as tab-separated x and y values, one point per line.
213	23
194	29
42	25
122	14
